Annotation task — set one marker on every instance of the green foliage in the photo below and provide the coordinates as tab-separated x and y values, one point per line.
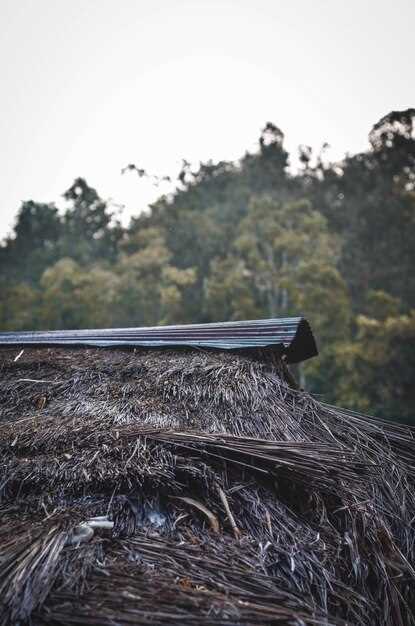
369	200
228	291
75	297
281	262
19	307
87	232
150	288
241	240
378	367
34	244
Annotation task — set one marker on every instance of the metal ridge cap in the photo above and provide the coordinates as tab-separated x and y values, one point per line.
166	329
292	334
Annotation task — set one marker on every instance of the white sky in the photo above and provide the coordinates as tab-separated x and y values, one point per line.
88	86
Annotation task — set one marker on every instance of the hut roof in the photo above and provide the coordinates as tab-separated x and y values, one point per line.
195	487
289	336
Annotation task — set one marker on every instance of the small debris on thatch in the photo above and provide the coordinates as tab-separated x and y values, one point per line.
193	487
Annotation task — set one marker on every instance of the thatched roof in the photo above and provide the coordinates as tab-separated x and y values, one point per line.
193	487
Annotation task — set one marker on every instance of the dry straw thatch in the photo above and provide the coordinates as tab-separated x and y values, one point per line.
191	487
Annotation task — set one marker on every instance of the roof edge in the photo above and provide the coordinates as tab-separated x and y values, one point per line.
303	346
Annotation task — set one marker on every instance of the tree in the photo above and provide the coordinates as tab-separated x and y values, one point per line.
266	171
369	199
19	307
74	297
228	291
150	289
89	233
281	246
377	368
392	140
34	243
283	262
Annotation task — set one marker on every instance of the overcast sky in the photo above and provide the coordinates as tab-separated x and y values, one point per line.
88	86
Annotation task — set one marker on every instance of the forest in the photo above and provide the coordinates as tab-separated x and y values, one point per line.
333	241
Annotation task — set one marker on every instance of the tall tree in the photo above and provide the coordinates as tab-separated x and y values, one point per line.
283	262
76	297
376	370
369	200
34	243
282	247
90	233
151	289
